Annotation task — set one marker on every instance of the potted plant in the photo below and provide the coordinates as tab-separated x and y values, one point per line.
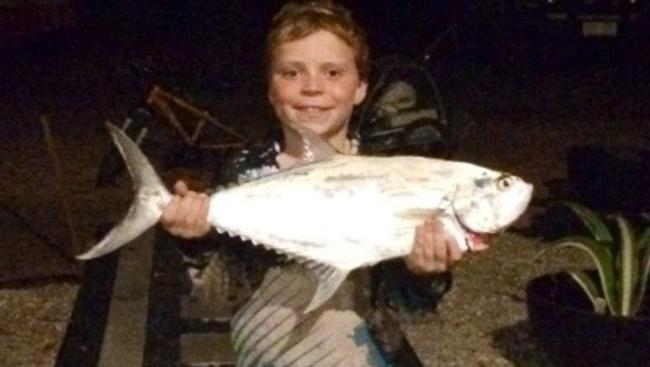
597	317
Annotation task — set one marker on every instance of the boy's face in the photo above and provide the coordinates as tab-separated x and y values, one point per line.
314	82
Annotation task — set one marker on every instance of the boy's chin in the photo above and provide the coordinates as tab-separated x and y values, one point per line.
324	129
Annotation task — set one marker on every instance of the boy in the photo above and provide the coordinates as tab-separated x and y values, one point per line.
317	73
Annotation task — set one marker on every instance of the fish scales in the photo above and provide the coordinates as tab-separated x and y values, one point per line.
346	209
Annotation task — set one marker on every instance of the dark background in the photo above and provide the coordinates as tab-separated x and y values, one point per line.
537	92
212	44
215	44
520	76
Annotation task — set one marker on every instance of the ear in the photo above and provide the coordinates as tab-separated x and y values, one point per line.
360	92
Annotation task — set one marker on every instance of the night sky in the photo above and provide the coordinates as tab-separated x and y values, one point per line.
240	27
233	31
221	42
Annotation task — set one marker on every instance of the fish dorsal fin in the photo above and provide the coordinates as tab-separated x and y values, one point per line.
312	148
329	280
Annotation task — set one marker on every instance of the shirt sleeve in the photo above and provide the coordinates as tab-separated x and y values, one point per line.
236	168
411	297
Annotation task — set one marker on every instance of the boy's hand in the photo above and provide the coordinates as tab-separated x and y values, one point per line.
434	251
186	215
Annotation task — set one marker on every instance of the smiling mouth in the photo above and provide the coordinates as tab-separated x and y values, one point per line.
312	109
312	113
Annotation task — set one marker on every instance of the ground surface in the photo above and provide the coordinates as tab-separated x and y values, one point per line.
524	124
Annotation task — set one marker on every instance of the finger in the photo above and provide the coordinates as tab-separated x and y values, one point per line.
204	211
426	241
169	213
438	244
187	226
180	187
419	240
185	209
434	253
414	258
454	251
481	246
436	222
196	217
204	205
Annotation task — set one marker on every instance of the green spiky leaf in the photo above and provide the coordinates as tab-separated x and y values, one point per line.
629	267
644	239
591	290
594	224
623	263
604	261
644	253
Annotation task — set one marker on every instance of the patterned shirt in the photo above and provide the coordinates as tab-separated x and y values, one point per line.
393	285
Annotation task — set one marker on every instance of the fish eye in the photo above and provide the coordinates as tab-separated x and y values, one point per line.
504	182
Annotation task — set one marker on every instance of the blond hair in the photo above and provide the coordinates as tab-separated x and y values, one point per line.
297	20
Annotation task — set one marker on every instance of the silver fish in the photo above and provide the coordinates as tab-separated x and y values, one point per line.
335	212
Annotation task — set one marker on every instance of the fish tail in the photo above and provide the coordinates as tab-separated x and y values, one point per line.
150	198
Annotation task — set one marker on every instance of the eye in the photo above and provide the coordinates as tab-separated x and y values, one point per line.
334	73
289	73
505	182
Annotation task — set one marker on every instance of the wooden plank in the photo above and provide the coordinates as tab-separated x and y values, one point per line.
206	349
83	338
125	333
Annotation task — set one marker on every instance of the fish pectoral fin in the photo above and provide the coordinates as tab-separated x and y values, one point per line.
449	223
329	280
418	214
455	229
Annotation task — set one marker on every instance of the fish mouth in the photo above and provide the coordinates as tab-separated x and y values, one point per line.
474	241
477	241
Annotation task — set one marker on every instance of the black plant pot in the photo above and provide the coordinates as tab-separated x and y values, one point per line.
571	334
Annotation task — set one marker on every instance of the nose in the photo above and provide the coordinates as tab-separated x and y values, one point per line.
312	84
